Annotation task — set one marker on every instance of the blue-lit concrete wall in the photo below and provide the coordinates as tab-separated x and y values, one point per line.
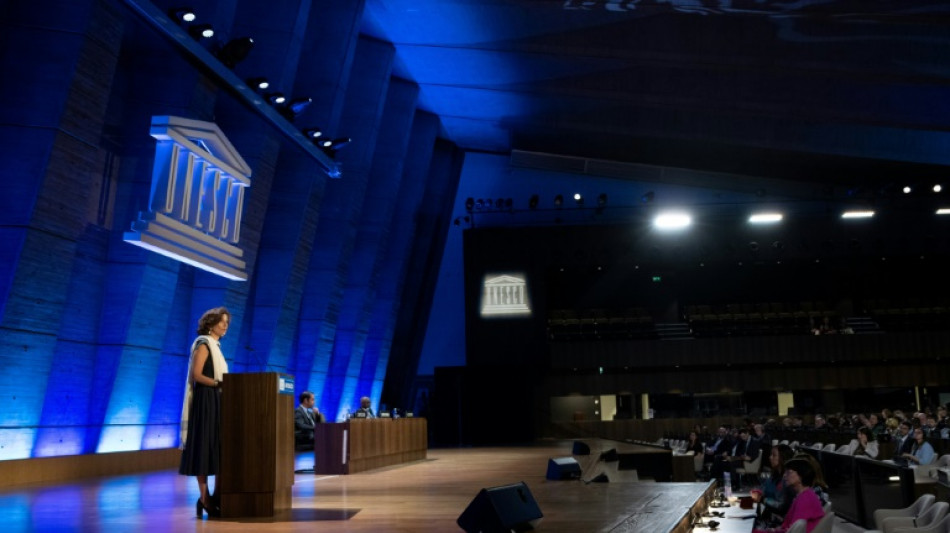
94	332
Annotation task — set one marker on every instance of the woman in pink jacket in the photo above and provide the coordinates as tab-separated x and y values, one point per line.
800	476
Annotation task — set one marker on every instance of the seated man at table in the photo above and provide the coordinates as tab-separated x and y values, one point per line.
306	416
365	410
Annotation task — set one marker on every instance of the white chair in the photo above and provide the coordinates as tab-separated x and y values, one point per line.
774	442
942	526
844	448
750	467
830	447
799	526
826	524
817	446
793	445
914	510
783	442
930	517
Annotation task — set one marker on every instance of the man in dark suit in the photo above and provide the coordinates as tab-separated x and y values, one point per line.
365	410
306	416
905	443
745	449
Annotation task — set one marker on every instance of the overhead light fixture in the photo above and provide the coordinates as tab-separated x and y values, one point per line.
943	211
276	98
578	198
469	204
325	143
235	51
765	218
937	188
857	214
602	200
298	105
907	189
183	14
340	142
201	31
313	133
672	220
258	84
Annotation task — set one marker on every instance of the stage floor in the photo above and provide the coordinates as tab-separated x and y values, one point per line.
423	496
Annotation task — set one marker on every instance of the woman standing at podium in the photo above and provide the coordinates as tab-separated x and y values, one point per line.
201	412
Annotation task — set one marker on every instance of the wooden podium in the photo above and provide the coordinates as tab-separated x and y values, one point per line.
257	444
365	444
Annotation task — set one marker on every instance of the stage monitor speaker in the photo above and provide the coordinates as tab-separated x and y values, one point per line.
580	448
563	468
501	510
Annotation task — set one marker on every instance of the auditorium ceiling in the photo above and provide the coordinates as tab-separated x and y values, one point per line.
832	97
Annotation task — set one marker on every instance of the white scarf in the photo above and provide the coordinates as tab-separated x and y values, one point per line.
220	368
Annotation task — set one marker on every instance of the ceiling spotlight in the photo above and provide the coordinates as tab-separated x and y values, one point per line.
533	201
276	98
325	143
906	189
558	201
183	14
340	142
672	220
298	105
943	211
765	218
579	199
469	204
201	31
313	133
235	51
479	204
937	188
857	214
602	200
258	84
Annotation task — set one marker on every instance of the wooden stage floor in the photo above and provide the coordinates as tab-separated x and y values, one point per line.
420	497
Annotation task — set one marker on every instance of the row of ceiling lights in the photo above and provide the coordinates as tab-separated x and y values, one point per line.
235	51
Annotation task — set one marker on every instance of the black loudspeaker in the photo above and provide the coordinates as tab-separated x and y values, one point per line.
501	510
563	468
580	448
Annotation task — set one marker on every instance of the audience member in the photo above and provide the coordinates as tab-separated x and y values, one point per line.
719	446
774	495
800	476
863	445
745	449
921	453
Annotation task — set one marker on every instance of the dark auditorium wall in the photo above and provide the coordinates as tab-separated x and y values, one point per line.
94	332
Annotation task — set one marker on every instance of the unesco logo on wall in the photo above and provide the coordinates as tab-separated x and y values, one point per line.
197	199
504	295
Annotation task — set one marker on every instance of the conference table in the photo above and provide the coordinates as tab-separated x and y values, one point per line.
358	444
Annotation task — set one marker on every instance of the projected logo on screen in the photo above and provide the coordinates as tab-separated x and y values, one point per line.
504	295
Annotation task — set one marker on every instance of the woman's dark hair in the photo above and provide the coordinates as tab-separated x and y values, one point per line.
210	318
866	432
785	454
804	470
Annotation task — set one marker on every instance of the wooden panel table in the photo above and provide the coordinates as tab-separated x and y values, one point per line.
364	444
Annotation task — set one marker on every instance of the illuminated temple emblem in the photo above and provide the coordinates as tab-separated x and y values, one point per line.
197	198
505	295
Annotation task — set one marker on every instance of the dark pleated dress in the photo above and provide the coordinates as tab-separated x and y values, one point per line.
202	453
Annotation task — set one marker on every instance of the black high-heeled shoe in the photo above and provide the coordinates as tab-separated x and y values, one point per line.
213	511
199	507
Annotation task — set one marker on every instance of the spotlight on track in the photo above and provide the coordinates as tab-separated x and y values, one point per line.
235	51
